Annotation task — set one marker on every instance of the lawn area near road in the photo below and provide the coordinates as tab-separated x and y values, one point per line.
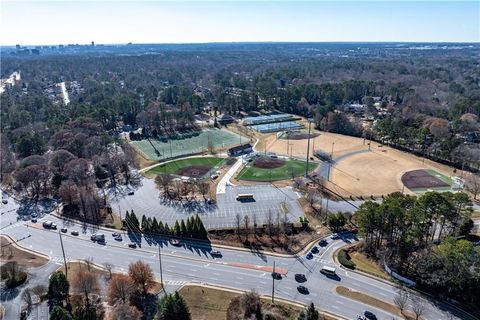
212	304
174	166
291	168
25	258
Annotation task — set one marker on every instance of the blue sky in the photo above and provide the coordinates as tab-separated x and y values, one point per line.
56	22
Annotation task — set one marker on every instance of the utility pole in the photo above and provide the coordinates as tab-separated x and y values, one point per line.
273	283
160	262
63	252
308	147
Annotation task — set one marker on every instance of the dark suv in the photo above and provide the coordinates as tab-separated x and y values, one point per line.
370	315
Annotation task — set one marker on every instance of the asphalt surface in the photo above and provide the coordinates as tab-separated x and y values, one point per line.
268	198
236	269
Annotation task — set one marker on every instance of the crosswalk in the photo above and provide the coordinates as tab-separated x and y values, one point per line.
175	282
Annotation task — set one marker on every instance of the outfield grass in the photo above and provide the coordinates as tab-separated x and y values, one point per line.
292	168
173	166
154	149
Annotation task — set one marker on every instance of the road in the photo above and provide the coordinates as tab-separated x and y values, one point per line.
242	270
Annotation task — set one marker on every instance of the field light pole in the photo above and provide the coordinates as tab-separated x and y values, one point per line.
273	283
308	147
160	263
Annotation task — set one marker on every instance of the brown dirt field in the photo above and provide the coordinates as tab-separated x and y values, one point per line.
374	302
268	163
421	179
25	258
193	171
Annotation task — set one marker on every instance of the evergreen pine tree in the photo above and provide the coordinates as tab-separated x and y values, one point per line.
161	228
150	225
202	232
183	229
181	308
127	219
155	227
189	230
144	224
176	229
134	221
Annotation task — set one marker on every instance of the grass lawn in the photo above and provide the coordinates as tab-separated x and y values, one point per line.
25	258
172	167
292	168
367	265
211	304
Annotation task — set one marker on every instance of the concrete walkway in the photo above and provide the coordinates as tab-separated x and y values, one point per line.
222	184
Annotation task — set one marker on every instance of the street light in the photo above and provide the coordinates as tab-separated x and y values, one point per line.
308	146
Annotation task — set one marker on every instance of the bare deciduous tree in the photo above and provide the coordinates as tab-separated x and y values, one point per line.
418	307
86	283
119	289
125	311
203	188
142	276
238	223
108	266
401	299
246	226
27	299
472	184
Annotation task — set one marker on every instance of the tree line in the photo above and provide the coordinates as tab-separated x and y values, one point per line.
418	238
191	228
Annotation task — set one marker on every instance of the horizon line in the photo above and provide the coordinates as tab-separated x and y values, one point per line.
244	42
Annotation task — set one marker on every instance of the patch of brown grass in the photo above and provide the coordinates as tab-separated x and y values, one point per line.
365	264
207	303
10	251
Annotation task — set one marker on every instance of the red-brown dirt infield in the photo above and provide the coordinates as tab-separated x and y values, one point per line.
193	171
268	163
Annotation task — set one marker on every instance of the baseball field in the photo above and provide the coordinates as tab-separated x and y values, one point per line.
189	167
358	170
266	168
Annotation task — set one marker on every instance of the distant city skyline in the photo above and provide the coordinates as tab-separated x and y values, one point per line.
120	22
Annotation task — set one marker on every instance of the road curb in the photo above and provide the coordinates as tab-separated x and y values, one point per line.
15	244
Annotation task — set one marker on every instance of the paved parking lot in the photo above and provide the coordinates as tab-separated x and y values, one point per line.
267	198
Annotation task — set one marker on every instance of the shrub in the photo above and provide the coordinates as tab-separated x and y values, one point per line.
344	259
16	280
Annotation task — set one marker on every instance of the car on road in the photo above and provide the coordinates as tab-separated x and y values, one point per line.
323	243
309	256
115	234
74	233
64	230
276	276
131	193
4	201
49	225
370	315
34	215
118	237
215	253
335	236
214	176
315	249
175	242
34	220
303	290
132	245
300	277
99	237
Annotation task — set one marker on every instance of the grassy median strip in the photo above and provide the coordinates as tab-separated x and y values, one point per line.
9	251
372	301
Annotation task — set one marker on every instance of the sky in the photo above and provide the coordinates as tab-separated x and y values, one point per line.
64	22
